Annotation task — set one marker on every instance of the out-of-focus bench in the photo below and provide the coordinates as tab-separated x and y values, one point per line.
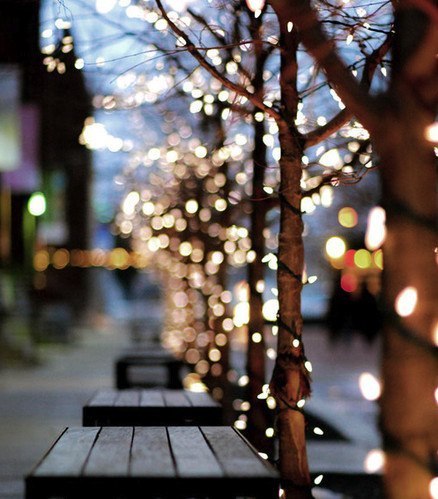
152	359
151	407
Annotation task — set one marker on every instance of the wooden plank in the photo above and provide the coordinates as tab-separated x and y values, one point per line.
68	455
175	398
151	456
151	398
128	398
110	453
192	455
105	397
236	457
201	399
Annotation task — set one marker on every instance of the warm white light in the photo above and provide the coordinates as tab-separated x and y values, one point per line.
331	159
241	314
130	202
270	309
105	6
257	338
369	386
255	5
376	229
335	247
95	135
191	206
374	461
435	333
433	488
318	479
406	301
318	431
431	132
36	205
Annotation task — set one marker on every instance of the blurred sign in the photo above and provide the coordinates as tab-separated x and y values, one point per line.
19	134
9	118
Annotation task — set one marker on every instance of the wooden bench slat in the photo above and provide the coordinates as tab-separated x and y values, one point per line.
151	398
127	398
192	455
235	456
175	398
201	399
69	453
105	397
151	454
110	453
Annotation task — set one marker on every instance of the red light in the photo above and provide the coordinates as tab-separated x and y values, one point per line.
349	258
349	283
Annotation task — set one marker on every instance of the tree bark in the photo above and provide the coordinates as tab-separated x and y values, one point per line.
290	381
409	178
260	416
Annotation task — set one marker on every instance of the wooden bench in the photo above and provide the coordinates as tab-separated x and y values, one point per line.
150	462
147	358
151	407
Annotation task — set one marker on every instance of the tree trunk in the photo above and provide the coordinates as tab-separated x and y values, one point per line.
259	417
290	380
409	178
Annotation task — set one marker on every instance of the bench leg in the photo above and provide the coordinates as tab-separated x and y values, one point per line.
122	375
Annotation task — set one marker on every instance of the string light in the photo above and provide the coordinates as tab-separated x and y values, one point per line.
406	301
374	461
376	229
369	386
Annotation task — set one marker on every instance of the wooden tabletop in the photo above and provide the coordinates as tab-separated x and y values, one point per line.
151	407
152	461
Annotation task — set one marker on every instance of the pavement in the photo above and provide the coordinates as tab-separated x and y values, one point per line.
45	394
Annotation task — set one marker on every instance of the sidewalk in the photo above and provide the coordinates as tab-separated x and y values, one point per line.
38	402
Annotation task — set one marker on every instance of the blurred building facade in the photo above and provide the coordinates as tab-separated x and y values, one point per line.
43	105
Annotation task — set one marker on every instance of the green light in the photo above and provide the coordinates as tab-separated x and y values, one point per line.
36	205
362	259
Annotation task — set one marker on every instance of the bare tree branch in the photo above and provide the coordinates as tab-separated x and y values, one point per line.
357	100
214	72
372	61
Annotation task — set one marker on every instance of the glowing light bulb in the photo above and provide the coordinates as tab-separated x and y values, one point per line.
435	333
374	461
105	6
318	479
433	488
191	206
369	386
431	132
270	309
406	301
376	229
255	5
36	205
335	247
